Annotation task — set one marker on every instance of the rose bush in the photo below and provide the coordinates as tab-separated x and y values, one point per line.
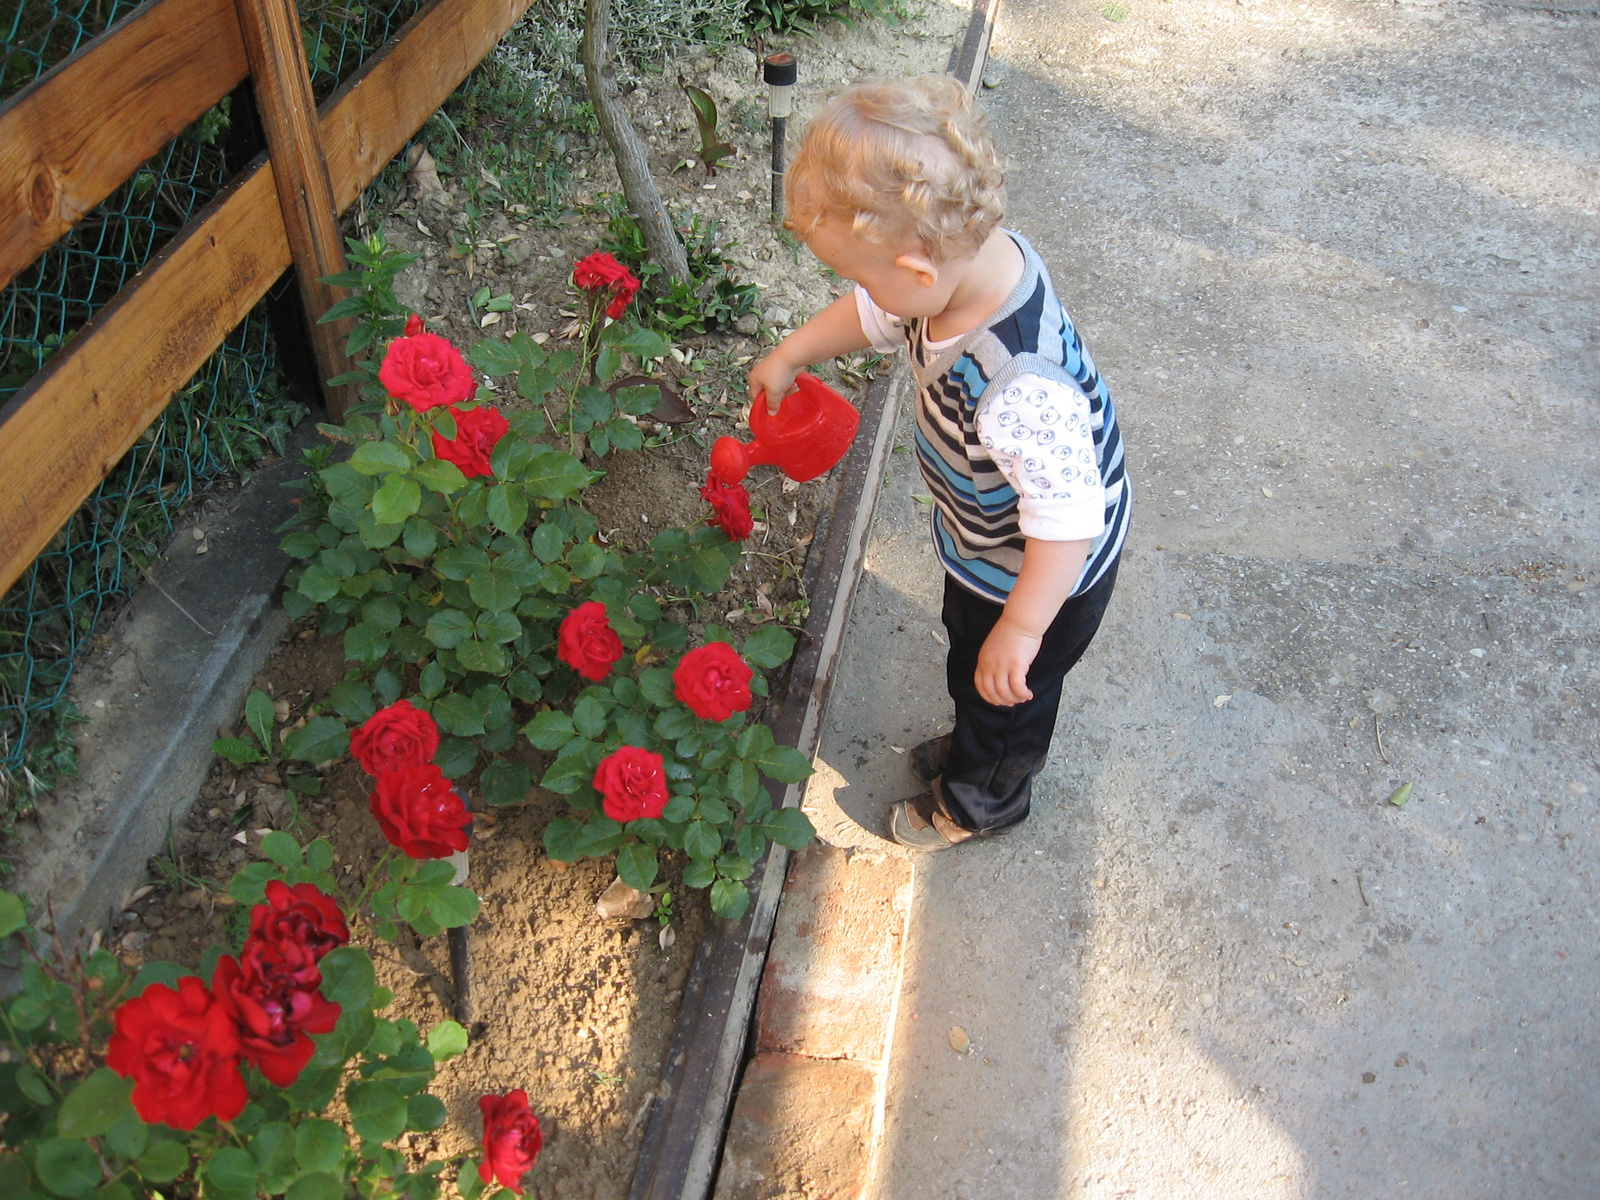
282	1078
470	594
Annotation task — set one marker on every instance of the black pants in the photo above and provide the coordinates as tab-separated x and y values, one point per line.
995	752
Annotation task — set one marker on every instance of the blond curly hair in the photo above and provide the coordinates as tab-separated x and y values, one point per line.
903	161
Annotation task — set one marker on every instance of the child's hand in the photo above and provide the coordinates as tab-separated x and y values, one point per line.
1002	675
774	376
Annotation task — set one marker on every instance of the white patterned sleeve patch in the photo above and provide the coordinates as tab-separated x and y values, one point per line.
1039	434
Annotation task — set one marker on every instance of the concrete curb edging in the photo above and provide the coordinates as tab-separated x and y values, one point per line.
177	664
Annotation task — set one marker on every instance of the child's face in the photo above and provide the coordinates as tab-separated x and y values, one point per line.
900	281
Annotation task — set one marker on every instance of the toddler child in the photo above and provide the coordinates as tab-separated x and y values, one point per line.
897	187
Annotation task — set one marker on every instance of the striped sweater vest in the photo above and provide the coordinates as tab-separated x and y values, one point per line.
975	531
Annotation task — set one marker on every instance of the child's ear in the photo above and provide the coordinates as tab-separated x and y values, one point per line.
927	273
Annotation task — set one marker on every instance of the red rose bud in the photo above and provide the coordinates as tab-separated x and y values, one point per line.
633	784
511	1139
730	507
587	643
181	1049
401	735
600	274
478	431
302	915
420	812
713	681
413	325
425	371
272	991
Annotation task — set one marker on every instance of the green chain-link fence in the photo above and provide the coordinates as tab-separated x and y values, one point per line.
218	425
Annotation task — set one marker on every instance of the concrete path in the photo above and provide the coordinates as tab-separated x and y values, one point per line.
1338	262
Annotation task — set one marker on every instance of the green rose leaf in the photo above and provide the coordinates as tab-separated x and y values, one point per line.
567	774
95	1105
656	686
563	839
783	763
162	1162
636	865
281	849
348	977
701	841
318	740
789	827
549	730
439	475
319	1145
318	584
555	475
699	874
425	1112
508	507
377	1110
446	1040
768	647
495	357
232	1170
380	458
504	783
448	628
397	499
458	714
729	899
317	1185
482	656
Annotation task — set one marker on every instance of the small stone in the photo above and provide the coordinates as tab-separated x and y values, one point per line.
747	324
993	77
959	1041
621	902
667	937
198	534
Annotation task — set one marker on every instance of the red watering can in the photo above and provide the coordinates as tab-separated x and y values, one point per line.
810	432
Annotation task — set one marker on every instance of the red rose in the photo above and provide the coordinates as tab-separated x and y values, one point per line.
425	371
420	812
181	1049
633	783
600	274
302	915
730	506
511	1139
401	735
587	643
478	431
713	681
413	325
272	991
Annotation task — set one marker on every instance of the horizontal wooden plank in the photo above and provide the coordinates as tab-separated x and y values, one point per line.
78	416
72	136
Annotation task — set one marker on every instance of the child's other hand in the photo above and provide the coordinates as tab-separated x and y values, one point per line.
1002	675
774	376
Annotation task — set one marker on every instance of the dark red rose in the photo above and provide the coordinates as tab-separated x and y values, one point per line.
425	371
272	992
587	643
478	431
401	735
420	812
413	325
511	1139
730	506
181	1049
600	274
633	784
713	681
302	915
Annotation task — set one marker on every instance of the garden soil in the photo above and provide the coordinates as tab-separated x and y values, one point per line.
575	1009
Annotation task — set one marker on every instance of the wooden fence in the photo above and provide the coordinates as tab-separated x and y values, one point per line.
74	135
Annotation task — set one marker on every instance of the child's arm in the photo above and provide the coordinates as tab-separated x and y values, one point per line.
1049	571
833	331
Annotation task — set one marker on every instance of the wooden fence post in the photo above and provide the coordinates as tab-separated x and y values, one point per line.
282	85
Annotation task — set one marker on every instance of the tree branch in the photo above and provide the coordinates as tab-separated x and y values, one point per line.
638	185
